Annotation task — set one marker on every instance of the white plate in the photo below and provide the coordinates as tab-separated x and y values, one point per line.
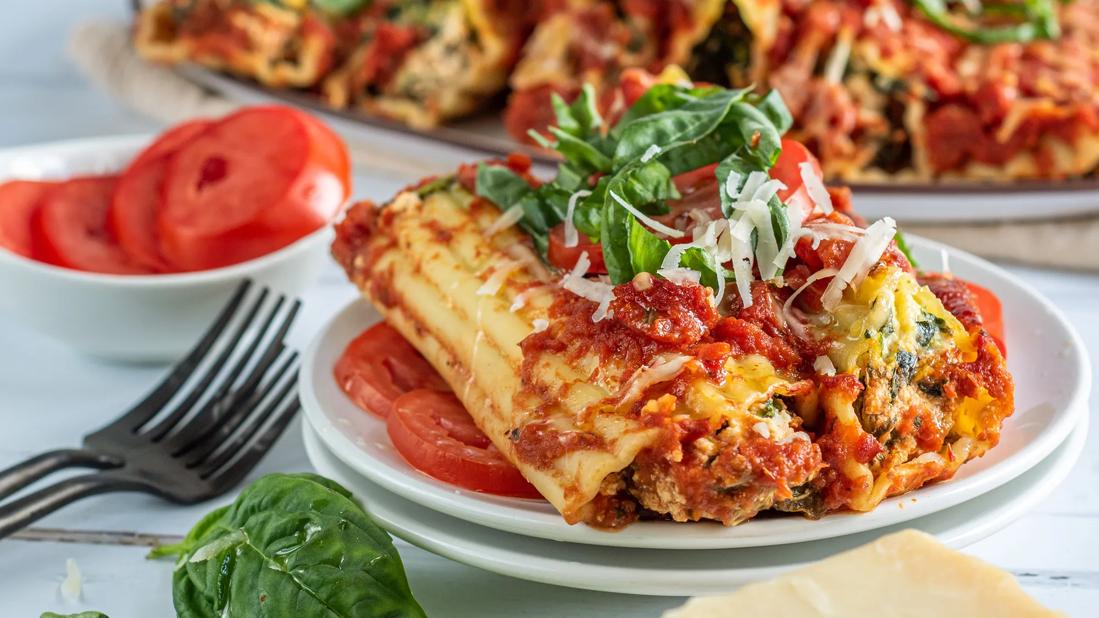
440	150
670	572
1044	354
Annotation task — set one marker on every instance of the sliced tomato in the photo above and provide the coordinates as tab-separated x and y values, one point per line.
380	365
70	228
255	182
19	199
171	140
566	257
434	433
992	314
137	197
788	169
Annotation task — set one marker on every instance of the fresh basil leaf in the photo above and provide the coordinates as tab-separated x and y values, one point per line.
902	244
581	118
704	262
614	236
91	614
647	250
659	98
441	183
1038	21
500	185
675	127
290	545
732	164
570	177
643	184
762	140
579	153
774	108
539	139
588	214
780	220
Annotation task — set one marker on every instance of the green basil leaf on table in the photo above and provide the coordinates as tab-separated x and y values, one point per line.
290	545
91	614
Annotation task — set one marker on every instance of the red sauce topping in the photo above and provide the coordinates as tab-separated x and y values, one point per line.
663	311
540	444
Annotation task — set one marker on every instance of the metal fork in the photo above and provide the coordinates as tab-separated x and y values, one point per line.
195	435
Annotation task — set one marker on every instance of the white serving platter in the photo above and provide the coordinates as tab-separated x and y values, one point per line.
442	149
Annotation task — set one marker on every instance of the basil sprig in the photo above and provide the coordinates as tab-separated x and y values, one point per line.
670	130
290	545
1031	20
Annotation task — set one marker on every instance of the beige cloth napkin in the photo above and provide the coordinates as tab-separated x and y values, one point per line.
103	52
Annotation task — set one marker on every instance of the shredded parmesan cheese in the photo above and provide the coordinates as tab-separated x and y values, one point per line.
595	291
740	236
732	184
73	584
815	186
496	280
540	324
521	298
647	220
823	365
788	315
865	253
751	185
680	276
665	368
572	238
768	190
510	217
762	429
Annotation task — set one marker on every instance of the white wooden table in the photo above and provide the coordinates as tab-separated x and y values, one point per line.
48	398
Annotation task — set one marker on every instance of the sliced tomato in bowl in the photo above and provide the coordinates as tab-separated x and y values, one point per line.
435	434
19	199
379	366
251	184
70	228
138	196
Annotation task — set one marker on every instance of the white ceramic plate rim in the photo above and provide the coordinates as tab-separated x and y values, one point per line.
671	572
125	147
538	519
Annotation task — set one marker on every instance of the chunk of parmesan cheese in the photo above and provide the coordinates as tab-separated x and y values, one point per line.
910	572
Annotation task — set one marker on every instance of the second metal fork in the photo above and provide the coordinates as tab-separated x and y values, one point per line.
193	437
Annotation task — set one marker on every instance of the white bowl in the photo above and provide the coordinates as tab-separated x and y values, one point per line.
142	318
